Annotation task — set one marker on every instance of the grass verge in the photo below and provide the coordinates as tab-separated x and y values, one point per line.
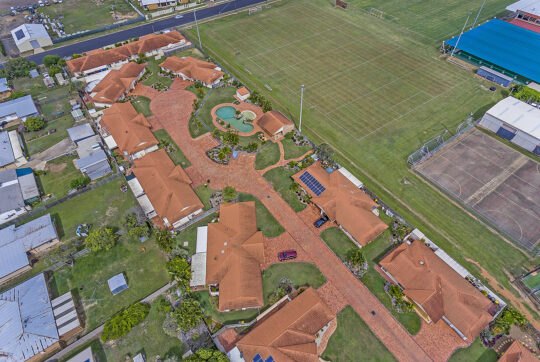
281	181
177	156
267	156
266	222
476	352
291	150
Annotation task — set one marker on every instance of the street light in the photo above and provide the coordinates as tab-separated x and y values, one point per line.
301	102
460	34
478	15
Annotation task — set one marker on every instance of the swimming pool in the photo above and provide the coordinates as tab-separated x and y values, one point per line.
227	113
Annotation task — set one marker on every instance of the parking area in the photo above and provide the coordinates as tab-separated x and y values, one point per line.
496	181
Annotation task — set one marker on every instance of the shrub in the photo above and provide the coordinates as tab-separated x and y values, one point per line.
228	193
79	182
163	306
507	318
33	123
18	94
188	315
207	354
17	68
525	93
122	322
252	147
289	135
180	270
164	240
356	257
50	60
100	239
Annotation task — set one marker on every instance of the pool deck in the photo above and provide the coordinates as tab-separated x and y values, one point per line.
243	106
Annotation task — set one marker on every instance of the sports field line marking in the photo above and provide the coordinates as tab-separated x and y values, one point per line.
443	174
408	98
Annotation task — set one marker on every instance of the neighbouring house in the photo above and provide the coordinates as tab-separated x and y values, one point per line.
156	4
164	190
515	121
17	188
338	194
517	353
93	161
11	152
5	89
436	290
80	132
31	324
139	358
242	93
123	128
193	69
18	109
18	245
299	331
275	124
31	37
99	60
527	14
233	251
85	356
117	84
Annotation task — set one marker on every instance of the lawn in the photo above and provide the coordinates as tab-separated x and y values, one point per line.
378	102
153	66
59	174
236	316
40	144
142	105
476	352
300	273
532	281
32	86
189	234
177	156
216	96
204	194
97	350
341	245
269	226
80	15
281	181
354	341
267	156
292	150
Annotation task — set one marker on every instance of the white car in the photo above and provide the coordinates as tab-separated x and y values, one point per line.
179	16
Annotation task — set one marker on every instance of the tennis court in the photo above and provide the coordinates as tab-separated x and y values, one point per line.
496	181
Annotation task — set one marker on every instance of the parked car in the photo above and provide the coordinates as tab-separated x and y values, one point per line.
179	16
320	222
286	255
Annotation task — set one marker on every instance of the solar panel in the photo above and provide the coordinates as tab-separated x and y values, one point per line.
312	183
258	358
19	34
270	359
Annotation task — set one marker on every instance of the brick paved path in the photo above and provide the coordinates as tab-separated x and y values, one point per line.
240	174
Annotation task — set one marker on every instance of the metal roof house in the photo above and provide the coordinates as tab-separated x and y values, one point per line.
16	243
17	187
95	165
5	89
515	121
30	37
18	108
11	152
81	132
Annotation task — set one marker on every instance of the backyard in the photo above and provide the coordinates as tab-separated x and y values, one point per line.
386	84
291	150
281	181
58	175
142	105
40	140
267	156
215	97
189	234
269	226
476	352
177	156
153	66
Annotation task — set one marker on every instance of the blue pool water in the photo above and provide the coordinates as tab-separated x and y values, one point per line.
227	113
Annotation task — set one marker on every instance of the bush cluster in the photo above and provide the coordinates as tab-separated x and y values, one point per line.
122	322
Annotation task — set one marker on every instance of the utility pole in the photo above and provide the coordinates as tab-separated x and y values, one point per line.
459	37
478	15
197	26
301	102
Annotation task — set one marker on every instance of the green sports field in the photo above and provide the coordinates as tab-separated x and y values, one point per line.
376	91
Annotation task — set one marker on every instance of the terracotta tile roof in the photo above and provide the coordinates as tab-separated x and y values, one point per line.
289	334
235	255
130	130
167	186
517	353
273	121
116	83
193	68
345	203
440	290
243	91
145	44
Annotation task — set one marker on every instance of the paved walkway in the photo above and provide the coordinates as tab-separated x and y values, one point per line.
241	175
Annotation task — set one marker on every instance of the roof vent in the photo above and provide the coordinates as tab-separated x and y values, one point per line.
225	243
222	251
421	262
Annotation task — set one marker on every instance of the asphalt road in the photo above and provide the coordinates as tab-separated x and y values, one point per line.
141	30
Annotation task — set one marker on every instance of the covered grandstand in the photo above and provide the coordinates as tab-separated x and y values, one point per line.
504	47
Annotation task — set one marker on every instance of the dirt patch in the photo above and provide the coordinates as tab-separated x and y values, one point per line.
123	17
111	210
55	168
517	302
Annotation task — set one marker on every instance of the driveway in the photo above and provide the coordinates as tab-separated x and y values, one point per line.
39	160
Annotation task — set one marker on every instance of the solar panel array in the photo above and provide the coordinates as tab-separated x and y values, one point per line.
312	183
19	34
258	358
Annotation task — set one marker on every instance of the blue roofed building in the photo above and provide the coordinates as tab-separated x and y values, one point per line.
20	108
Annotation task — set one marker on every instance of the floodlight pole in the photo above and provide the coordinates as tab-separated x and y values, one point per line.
301	102
459	37
197	26
478	15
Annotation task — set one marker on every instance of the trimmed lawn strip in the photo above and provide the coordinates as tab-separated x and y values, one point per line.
41	144
142	105
281	181
267	156
237	316
58	182
266	222
153	66
189	235
217	96
204	194
177	156
341	245
291	150
354	341
475	352
97	350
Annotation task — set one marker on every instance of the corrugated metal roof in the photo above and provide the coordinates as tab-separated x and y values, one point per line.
4	85
202	239
27	325
6	152
88	146
12	258
23	107
84	356
15	144
198	270
26	32
80	132
28	186
117	283
529	6
11	197
518	114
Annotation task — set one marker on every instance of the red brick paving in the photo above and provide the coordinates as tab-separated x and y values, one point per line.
332	297
246	179
281	243
311	214
439	340
155	123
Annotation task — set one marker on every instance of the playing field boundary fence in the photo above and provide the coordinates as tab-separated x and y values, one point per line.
431	147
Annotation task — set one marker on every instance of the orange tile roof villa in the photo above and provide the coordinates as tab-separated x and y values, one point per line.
338	196
437	289
517	353
293	333
193	69
167	189
100	59
275	124
121	126
116	84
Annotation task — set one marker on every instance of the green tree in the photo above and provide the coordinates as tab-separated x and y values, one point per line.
228	193
122	322
55	69
295	187
325	152
100	239
507	318
231	137
79	182
252	146
34	123
207	354
188	315
356	257
17	94
17	68
180	270
164	240
50	60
